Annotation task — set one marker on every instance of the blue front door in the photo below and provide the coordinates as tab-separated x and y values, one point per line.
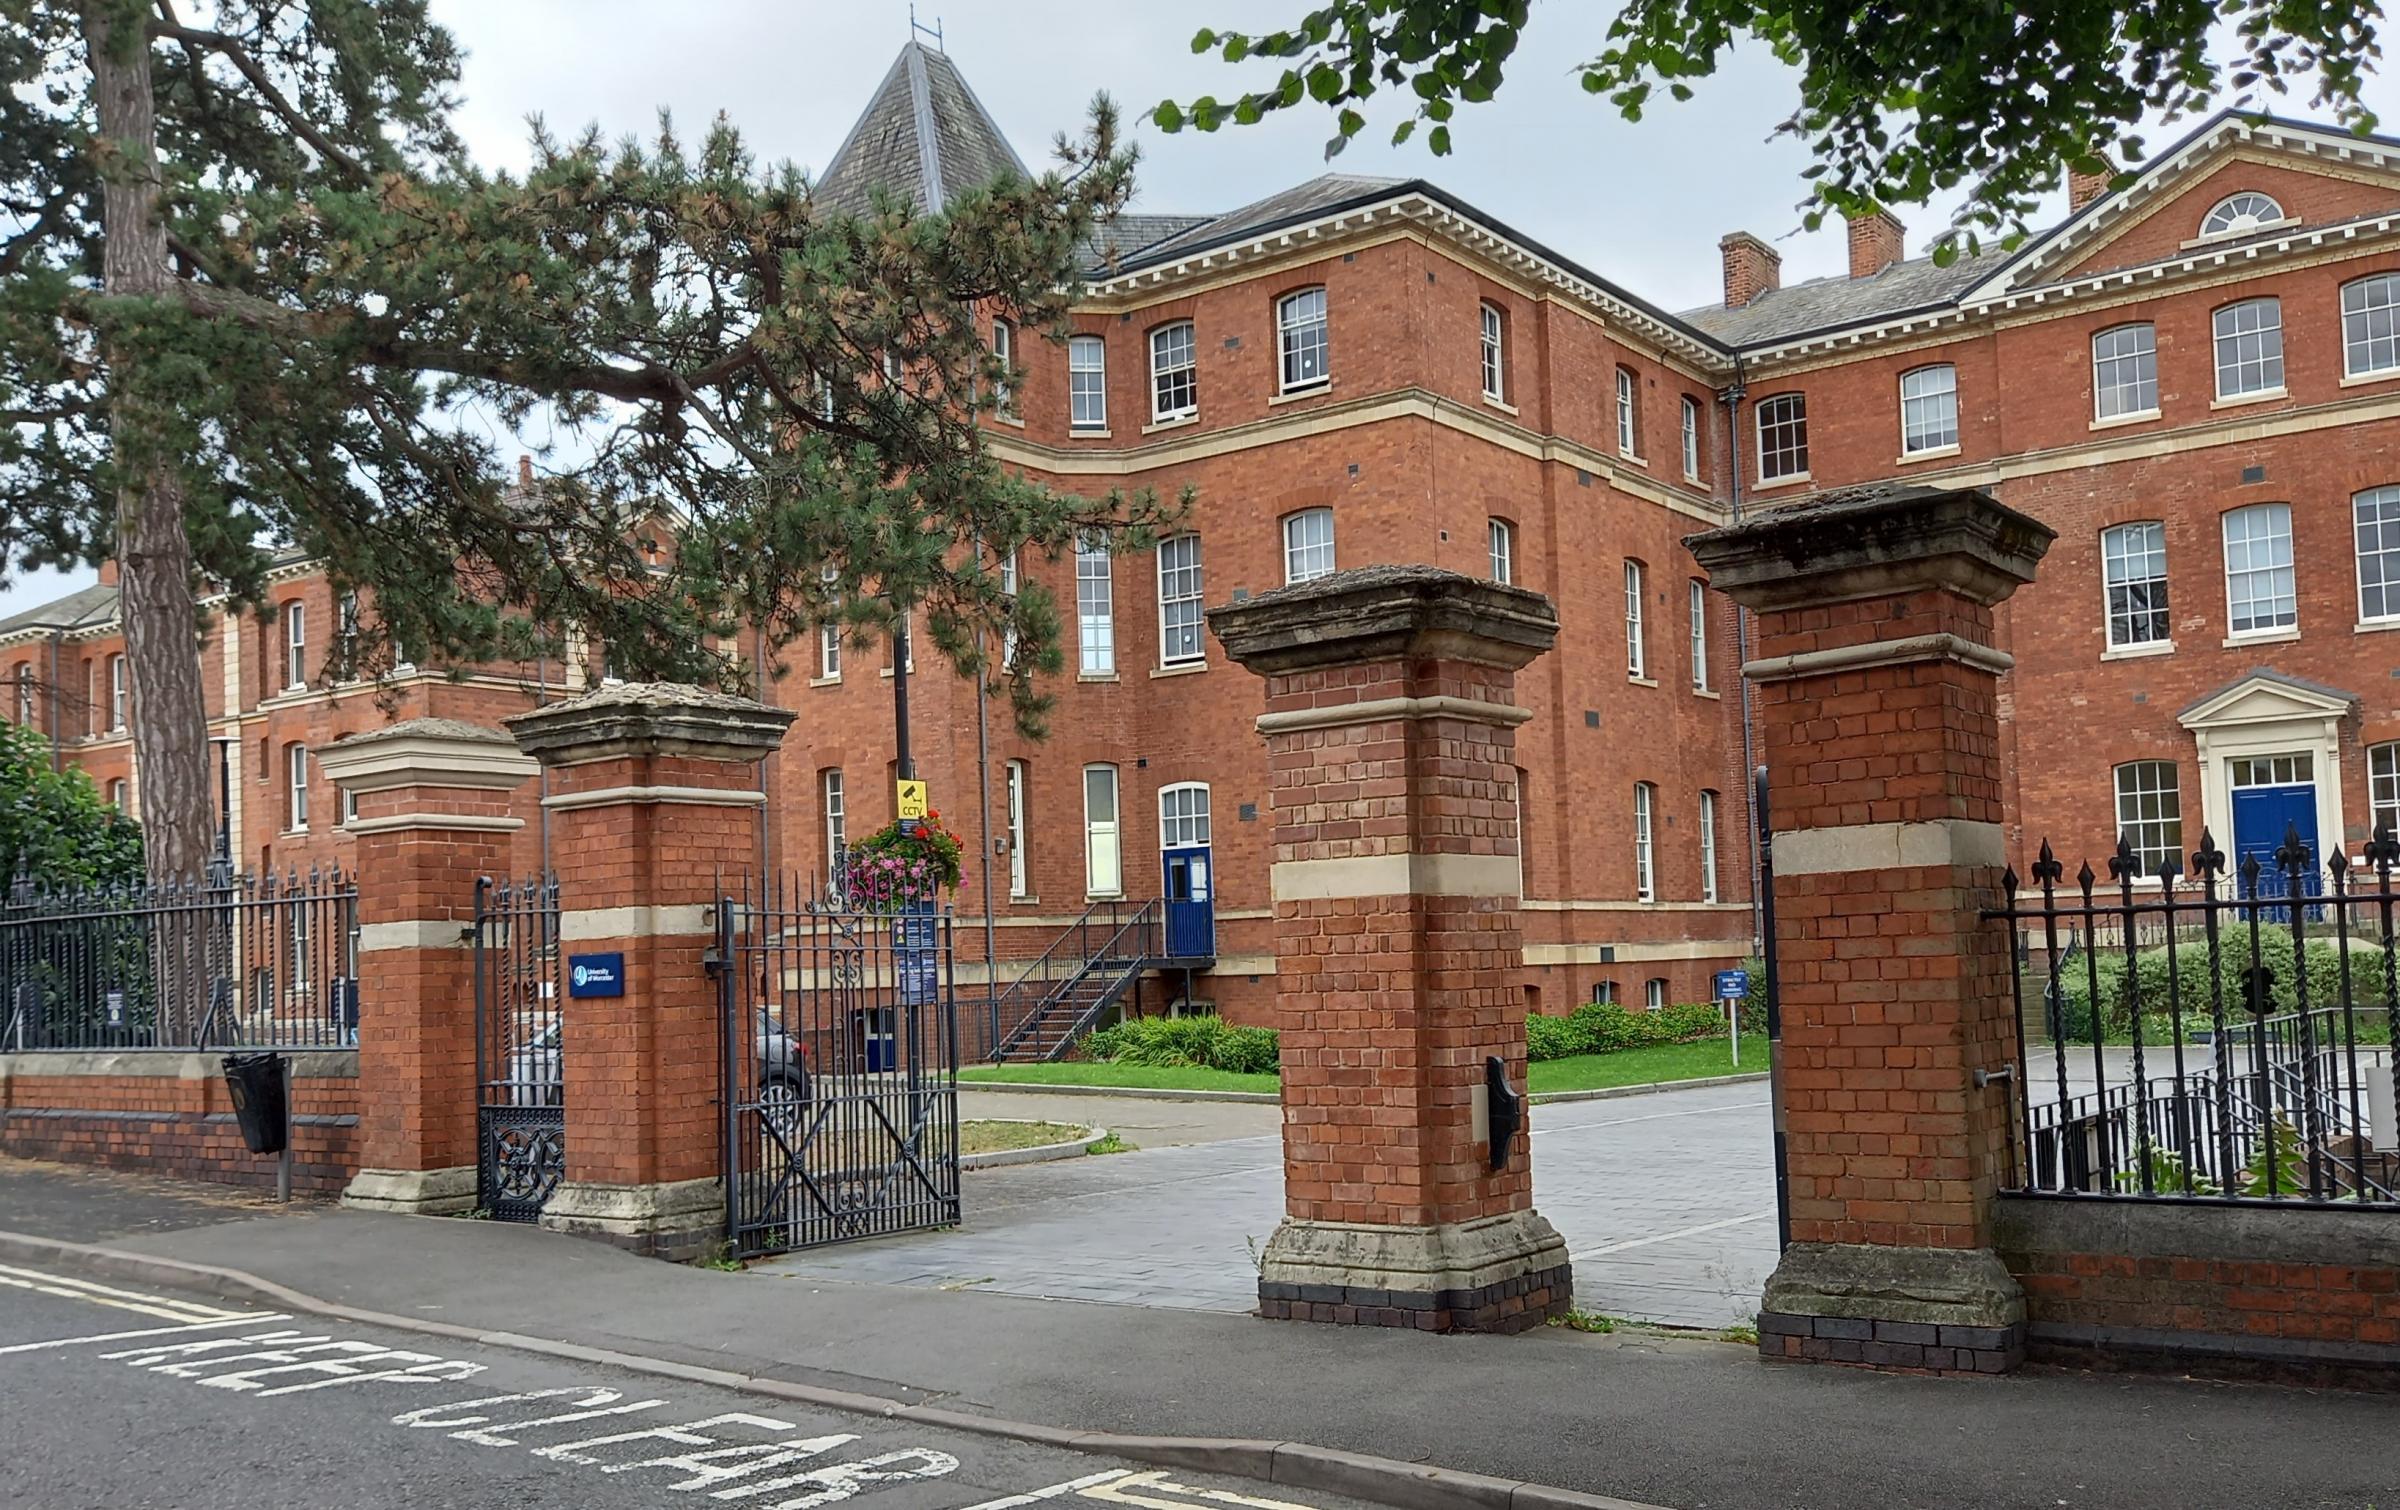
2261	816
1191	902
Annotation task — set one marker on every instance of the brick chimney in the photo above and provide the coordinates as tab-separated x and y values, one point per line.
1751	268
108	571
2083	188
1876	242
524	470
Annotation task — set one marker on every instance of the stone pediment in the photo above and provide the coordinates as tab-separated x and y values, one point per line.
2265	697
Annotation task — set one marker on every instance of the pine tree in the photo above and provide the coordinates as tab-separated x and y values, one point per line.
253	284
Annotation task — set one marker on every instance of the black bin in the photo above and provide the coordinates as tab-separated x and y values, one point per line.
256	1082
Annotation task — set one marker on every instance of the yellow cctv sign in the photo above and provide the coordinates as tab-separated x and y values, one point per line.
912	799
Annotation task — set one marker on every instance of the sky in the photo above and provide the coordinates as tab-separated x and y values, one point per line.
1642	204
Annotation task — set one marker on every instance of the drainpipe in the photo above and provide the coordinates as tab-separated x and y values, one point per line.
983	803
766	810
58	749
1731	397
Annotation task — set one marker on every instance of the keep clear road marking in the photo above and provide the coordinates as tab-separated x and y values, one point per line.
123	1300
1118	1486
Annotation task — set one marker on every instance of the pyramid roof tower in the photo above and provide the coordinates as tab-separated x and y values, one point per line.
924	137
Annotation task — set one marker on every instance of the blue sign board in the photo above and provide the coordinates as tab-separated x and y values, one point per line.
596	974
1732	984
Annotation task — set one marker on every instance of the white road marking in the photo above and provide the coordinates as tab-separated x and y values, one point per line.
1037	1496
1668	1237
64	1288
156	1331
1696	1111
1121	1493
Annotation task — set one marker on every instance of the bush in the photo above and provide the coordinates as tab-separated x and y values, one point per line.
1606	1028
2148	990
1186	1043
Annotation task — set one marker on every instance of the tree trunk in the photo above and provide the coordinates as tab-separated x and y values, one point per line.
154	555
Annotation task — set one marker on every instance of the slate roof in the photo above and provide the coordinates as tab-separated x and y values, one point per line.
924	136
1832	303
1130	233
1300	202
77	610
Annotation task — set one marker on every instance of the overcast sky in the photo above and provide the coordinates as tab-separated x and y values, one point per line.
1641	204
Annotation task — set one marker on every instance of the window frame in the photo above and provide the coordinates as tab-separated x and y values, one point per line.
1697	600
1690	438
1654	994
295	645
1093	829
2386	500
833	817
120	795
1291	549
2144	359
120	690
1086	380
1095	608
1791	409
2161	607
1182	615
1637	648
2265	335
1493	349
2388	283
2231	228
1206	823
2288	566
1945	439
295	793
1708	845
1645	854
26	700
1004	352
2383	787
1500	545
1293	346
1629	414
1188	367
1016	800
2169	826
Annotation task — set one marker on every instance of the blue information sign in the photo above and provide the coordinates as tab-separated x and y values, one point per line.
915	937
1732	984
596	974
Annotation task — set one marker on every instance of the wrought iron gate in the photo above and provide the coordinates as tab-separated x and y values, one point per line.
521	1113
840	1039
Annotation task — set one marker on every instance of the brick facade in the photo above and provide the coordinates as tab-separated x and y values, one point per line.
170	1114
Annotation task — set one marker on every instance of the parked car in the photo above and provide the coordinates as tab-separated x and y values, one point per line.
535	1075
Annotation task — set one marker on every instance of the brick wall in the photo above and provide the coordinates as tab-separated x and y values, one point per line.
2281	1291
169	1114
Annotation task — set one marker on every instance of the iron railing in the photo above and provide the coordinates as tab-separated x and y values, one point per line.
839	1044
223	962
520	1048
2210	1041
1107	933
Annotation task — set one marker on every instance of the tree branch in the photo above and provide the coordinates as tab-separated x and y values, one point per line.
234	52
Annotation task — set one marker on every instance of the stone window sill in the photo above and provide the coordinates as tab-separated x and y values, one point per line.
887	671
2374	626
1294	395
1180	668
1025	901
2138	652
1013	421
1494	401
1632	460
833	680
1711	693
1766	484
1930	453
2132	417
2362	379
2262	396
1088	432
1172	422
1095	676
2283	636
1639	680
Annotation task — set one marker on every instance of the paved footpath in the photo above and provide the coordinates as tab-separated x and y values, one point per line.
139	1397
1667	1203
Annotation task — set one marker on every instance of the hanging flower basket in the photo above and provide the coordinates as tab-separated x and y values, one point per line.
902	865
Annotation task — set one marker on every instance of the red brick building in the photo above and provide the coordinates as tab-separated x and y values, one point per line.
1364	370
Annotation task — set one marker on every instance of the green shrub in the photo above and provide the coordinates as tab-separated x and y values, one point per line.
1207	1042
2147	987
1548	1037
1606	1028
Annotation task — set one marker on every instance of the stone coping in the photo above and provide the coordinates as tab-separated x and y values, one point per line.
650	718
1376	613
434	752
1874	542
167	1064
2227	1231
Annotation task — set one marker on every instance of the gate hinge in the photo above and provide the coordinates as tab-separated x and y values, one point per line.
712	960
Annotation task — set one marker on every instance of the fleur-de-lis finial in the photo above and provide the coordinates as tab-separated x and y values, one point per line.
2383	851
2208	861
2292	856
2124	865
2046	869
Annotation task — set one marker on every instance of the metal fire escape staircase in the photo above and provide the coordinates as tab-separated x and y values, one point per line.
1086	970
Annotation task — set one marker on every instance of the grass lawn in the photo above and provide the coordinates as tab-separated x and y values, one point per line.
1670	1061
1584	1072
1136	1076
992	1137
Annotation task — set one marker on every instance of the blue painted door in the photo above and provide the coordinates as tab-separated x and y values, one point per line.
1191	902
2261	814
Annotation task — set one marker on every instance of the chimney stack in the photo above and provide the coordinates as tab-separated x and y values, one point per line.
2083	188
1876	242
1751	268
524	470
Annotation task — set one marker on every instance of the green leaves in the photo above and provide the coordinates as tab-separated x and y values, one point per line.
54	827
1895	103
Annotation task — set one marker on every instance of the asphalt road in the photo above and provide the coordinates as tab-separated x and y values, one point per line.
120	1398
